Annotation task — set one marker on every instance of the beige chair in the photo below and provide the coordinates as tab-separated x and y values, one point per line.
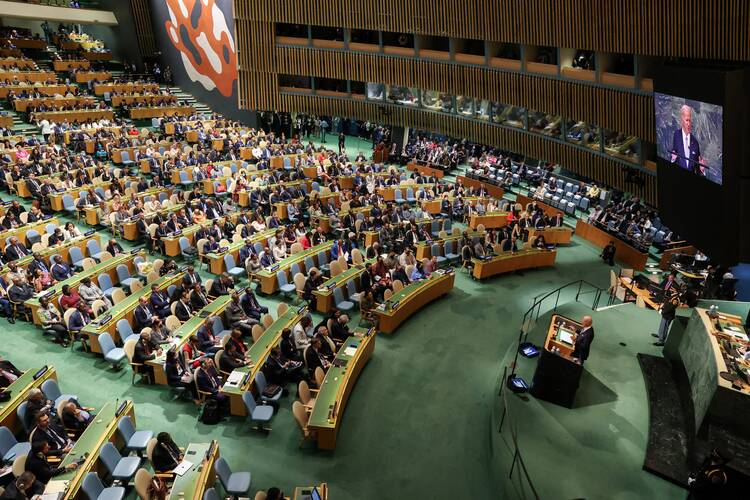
172	308
282	308
320	376
456	231
105	255
261	495
157	264
208	284
152	276
38	246
217	362
200	245
119	295
299	284
19	465
267	320
398	285
480	228
302	417
387	294
335	268
137	368
639	302
626	273
172	323
135	286
98	306
143	479
357	258
306	395
296	248
443	234
257	332
342	263
202	395
88	263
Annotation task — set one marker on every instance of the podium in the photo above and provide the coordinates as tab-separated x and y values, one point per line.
558	374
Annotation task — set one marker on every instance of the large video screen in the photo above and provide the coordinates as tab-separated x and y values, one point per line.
689	135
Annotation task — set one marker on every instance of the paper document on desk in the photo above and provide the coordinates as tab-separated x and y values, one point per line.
182	467
55	487
235	378
350	351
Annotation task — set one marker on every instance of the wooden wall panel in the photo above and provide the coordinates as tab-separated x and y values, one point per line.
144	31
712	29
572	158
622	111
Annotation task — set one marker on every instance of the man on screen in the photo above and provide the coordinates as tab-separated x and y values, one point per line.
685	148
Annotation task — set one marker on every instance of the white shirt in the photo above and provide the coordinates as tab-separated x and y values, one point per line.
686	146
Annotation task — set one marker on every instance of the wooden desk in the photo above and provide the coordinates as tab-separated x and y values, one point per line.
324	293
77	115
18	391
22	105
412	298
509	262
25	43
268	281
557	373
48	90
549	210
553	235
6	121
330	403
423	249
14	62
66	65
28	76
257	355
20	232
102	88
102	430
433	207
87	76
125	309
119	100
172	243
216	260
155	112
108	266
184	332
192	485
430	169
389	192
490	220
625	253
492	189
667	254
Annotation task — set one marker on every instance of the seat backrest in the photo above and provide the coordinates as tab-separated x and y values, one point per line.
351	288
217	326
105	281
320	375
124	328
322	258
7	440
300	414
249	400
142	481
92	486
51	389
281	278
110	456
75	254
299	281
106	343
93	247
150	449
19	465
257	332
229	261
303	391
211	493
126	428
260	382
221	467
123	272
338	296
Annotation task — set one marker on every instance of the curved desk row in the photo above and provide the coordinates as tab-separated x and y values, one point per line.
411	298
18	390
509	262
330	403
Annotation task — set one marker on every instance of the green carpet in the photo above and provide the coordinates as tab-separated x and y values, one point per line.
418	421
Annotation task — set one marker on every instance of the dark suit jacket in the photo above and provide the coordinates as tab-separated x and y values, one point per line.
188	281
687	160
77	321
16	252
142	319
583	344
61	271
198	302
182	312
313	360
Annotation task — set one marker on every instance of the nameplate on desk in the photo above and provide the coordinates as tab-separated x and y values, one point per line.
7	203
46	217
274	268
121	408
133	252
204	314
41	372
331	286
178	232
302	309
394	305
89	232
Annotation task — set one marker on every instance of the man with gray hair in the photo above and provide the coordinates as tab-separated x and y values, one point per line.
686	151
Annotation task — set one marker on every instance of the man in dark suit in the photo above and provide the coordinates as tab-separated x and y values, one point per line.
183	310
583	340
198	298
144	314
686	151
60	270
251	306
15	250
79	319
313	357
38	263
160	302
191	278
